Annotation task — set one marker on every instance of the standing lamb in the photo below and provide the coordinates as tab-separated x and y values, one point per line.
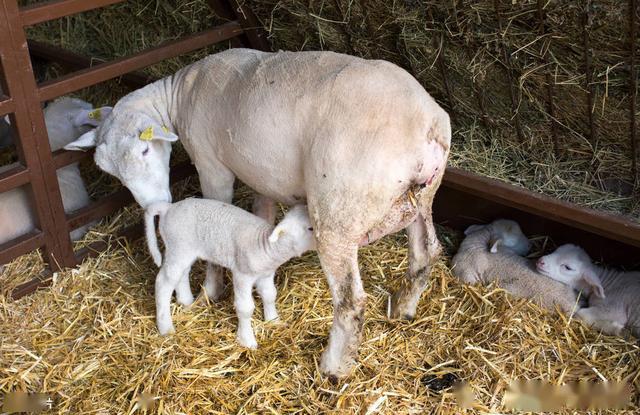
66	119
232	238
360	141
613	295
491	253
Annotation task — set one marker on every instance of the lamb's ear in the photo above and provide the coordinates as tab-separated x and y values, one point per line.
591	280
494	245
85	141
7	119
473	228
91	117
278	231
157	133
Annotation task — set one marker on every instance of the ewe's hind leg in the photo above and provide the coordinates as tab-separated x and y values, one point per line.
216	182
264	208
339	260
424	249
267	290
607	320
243	302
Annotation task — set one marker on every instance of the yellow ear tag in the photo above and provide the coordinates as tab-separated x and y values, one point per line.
147	134
96	114
165	129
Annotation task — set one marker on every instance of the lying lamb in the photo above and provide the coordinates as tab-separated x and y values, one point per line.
492	253
66	119
613	294
229	237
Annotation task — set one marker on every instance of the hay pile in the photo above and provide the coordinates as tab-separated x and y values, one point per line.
90	341
464	39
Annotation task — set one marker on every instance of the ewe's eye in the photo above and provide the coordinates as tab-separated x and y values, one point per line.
145	151
567	267
310	229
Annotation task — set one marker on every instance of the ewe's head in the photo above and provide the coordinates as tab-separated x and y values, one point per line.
294	233
504	234
571	265
134	148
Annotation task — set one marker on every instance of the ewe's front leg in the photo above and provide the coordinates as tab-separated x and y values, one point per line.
264	208
244	305
267	290
424	249
340	264
216	182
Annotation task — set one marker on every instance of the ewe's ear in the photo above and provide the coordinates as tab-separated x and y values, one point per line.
473	228
277	233
91	117
591	280
157	133
85	141
494	246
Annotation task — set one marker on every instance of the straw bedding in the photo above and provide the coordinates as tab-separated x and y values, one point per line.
90	339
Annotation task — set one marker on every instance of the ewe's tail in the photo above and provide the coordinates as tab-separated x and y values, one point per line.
152	211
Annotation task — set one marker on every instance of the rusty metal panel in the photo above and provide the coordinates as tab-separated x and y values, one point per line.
50	10
598	223
6	105
14	177
21	245
109	70
33	144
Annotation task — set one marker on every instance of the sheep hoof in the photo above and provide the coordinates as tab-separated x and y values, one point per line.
248	343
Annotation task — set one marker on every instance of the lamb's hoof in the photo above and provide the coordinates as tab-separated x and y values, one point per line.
248	343
185	302
166	331
274	321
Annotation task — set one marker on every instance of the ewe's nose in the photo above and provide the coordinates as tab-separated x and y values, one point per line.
540	263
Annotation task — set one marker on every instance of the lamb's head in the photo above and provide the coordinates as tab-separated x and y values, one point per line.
136	149
294	233
504	233
572	266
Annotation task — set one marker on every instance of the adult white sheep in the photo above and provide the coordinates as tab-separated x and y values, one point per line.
360	141
66	119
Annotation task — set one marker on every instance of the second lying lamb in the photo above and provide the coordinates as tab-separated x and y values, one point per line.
492	253
232	238
613	294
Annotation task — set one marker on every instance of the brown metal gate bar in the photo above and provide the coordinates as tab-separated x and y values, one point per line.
38	165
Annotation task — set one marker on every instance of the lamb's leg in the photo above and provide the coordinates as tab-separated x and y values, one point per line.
216	182
244	305
184	296
339	260
264	208
267	290
424	249
607	320
166	280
